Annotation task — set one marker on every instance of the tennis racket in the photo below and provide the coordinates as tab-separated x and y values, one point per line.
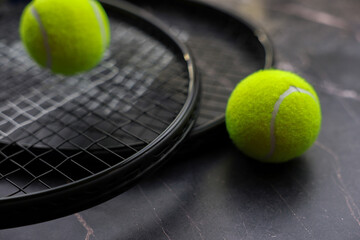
68	143
226	48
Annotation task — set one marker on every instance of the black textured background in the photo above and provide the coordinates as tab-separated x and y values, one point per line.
214	192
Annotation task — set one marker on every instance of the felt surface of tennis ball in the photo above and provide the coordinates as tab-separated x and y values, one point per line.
66	36
273	116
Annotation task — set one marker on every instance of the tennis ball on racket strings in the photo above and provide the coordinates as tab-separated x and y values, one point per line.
66	36
273	116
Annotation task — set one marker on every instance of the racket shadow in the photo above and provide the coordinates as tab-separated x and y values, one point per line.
208	177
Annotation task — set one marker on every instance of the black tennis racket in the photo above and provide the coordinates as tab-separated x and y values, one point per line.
225	47
67	144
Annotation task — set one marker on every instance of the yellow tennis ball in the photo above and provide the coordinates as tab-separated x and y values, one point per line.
66	36
273	116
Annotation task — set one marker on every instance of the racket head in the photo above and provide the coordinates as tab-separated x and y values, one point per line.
47	171
225	46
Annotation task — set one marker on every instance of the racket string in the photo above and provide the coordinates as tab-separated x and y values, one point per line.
114	110
225	49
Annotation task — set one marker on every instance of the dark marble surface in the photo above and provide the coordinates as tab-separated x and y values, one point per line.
212	191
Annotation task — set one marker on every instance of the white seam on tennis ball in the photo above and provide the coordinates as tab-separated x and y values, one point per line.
44	35
291	90
100	20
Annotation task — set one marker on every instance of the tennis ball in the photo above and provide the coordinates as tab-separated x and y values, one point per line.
273	116
66	36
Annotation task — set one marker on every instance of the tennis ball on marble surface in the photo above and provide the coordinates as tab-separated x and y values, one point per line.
273	116
66	36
